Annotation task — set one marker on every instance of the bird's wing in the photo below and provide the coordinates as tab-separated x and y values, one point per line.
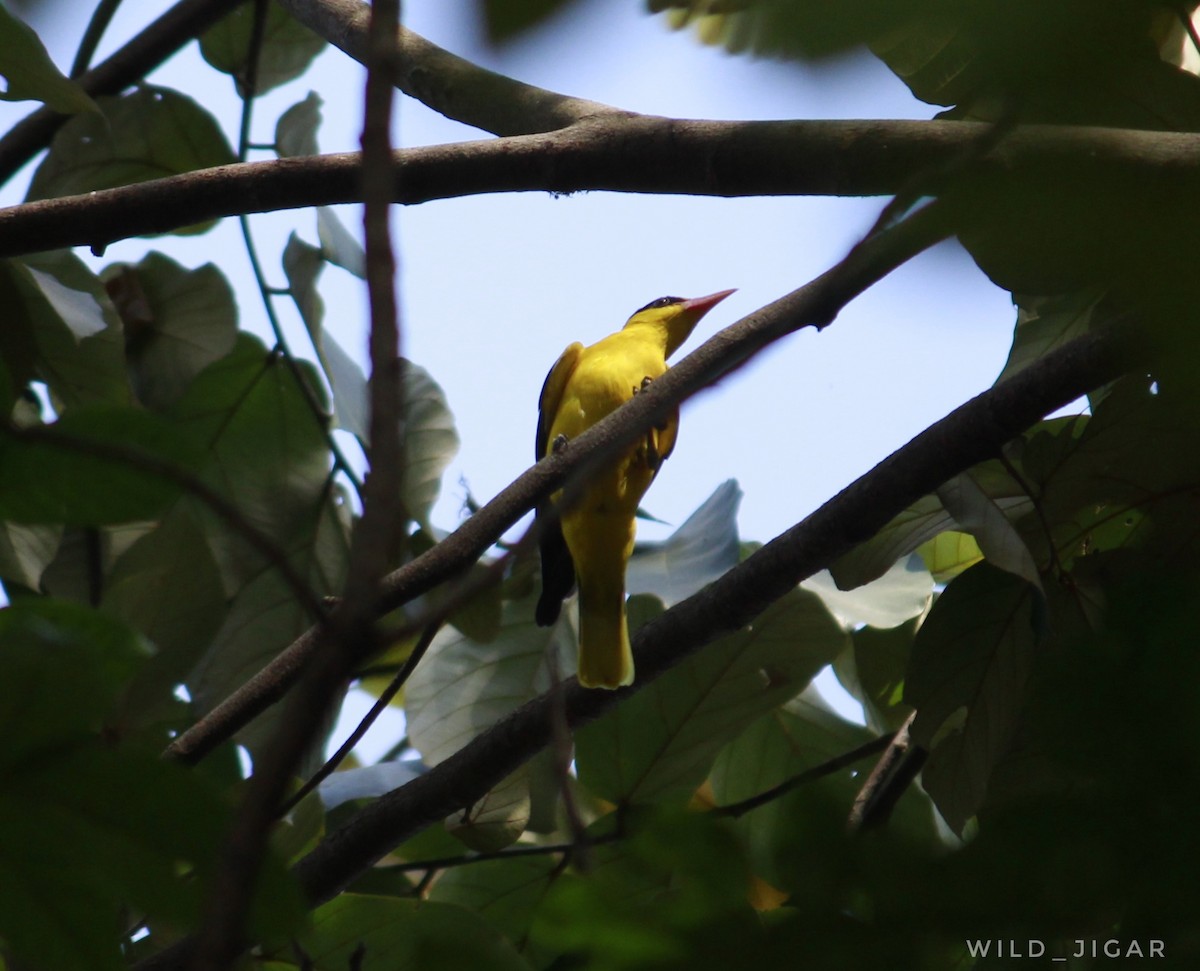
551	396
558	569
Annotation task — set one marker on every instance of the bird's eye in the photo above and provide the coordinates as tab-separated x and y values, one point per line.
661	302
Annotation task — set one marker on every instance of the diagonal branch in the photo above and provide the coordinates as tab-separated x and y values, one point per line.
445	82
814	304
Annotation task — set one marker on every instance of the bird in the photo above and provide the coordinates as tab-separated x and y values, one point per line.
588	540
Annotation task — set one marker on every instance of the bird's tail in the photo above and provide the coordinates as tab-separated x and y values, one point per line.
605	660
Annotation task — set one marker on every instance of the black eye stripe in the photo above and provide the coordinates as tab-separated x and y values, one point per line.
660	302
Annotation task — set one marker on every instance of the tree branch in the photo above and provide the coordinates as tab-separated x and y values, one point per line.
445	82
626	153
164	37
814	304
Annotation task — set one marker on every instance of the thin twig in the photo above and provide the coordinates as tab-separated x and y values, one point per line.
356	736
892	775
98	23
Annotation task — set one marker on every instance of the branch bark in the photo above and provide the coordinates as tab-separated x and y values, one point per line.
626	153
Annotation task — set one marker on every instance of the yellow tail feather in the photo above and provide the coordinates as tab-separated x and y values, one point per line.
605	659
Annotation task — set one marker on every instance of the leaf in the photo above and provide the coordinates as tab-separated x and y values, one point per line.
498	819
262	449
296	130
902	593
795	738
303	264
983	518
462	688
367	782
970	663
26	551
430	441
505	893
1046	323
63	330
92	467
800	29
265	616
948	554
166	586
338	245
177	322
873	669
508	19
390	934
921	522
660	743
88	829
698	552
149	133
288	47
29	73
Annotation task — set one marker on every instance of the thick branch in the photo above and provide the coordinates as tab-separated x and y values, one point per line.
131	63
445	82
629	153
816	303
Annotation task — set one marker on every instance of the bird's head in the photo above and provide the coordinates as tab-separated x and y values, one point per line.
676	315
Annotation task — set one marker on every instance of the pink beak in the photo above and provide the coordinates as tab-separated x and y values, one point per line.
702	305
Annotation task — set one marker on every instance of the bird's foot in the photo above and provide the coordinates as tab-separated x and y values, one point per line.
559	443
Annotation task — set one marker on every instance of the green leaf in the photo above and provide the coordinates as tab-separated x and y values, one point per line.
1046	323
288	47
793	739
967	679
948	554
698	552
902	593
921	522
26	551
873	669
177	322
166	586
149	133
296	130
659	744
302	264
430	441
265	616
390	934
462	688
262	449
498	819
92	467
63	330
507	19
982	517
29	73
505	893
338	244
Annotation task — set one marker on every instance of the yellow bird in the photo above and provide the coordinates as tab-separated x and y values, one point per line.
593	537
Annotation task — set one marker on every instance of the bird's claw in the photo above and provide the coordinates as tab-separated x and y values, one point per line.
559	443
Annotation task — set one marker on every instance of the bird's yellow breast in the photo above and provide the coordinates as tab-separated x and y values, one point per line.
608	374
